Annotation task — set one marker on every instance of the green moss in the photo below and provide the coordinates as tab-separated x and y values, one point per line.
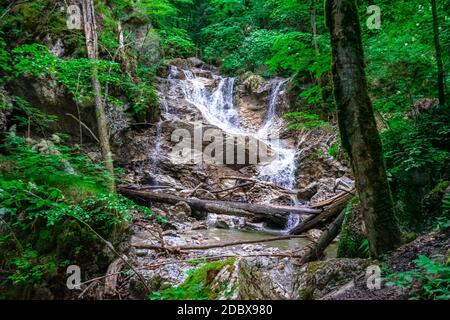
198	285
407	237
351	243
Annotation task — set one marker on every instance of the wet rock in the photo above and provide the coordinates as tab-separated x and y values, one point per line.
195	62
282	200
180	212
171	233
221	224
307	192
264	278
260	279
314	162
56	49
199	225
225	222
316	279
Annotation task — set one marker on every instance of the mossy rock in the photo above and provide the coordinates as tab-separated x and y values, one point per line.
316	279
199	285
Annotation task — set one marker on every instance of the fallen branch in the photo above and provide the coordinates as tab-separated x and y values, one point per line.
314	252
214	245
111	247
235	187
333	199
111	276
84	126
328	212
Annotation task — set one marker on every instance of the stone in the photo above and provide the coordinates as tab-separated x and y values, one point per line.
273	279
315	279
195	62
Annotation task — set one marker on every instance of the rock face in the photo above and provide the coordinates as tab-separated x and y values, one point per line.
264	278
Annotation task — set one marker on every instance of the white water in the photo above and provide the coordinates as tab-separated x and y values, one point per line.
217	108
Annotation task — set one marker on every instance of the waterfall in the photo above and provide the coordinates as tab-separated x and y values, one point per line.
280	171
217	108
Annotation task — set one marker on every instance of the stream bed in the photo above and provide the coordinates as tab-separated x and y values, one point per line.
217	236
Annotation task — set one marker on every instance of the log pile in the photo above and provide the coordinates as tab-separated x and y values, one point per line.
277	214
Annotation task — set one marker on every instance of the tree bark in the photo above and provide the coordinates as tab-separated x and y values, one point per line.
313	12
90	30
437	46
357	126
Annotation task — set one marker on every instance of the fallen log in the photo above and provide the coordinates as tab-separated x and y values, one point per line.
329	201
328	212
277	214
315	251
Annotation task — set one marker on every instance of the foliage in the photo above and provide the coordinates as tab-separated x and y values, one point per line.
175	42
303	120
31	117
417	156
197	285
46	198
431	277
74	74
253	53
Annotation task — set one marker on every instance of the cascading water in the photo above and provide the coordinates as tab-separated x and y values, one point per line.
280	171
217	108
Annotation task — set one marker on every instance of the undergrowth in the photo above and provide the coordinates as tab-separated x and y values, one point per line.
48	193
198	284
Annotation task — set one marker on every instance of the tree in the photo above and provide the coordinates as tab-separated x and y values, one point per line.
90	30
357	126
437	47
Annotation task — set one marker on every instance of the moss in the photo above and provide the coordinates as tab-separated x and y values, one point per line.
310	288
408	237
351	238
198	285
440	188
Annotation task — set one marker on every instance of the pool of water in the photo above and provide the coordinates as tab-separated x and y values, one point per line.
212	236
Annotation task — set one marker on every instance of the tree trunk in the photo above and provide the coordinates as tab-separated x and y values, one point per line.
313	12
90	30
437	47
357	126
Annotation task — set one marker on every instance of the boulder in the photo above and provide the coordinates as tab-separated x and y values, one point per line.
273	279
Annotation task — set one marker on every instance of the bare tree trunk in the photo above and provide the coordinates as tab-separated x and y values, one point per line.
313	16
357	126
90	30
437	47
